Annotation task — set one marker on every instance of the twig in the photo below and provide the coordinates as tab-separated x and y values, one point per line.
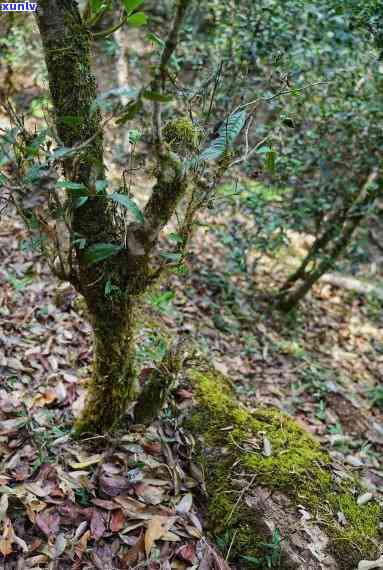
248	153
160	79
216	83
240	497
284	92
231	544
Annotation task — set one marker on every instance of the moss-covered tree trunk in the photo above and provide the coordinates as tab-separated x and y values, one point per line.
112	286
273	497
66	44
113	383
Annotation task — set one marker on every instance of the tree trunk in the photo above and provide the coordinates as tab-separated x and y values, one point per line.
128	273
272	496
66	44
329	246
114	382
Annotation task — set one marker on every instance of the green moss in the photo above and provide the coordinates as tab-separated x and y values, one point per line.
114	381
182	134
297	467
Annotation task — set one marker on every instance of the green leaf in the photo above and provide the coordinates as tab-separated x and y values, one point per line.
100	251
138	19
232	126
264	150
131	111
252	560
68	185
214	150
134	136
101	186
227	134
155	96
176	237
125	201
34	173
95	5
80	201
155	39
176	257
107	101
70	120
270	160
60	153
131	5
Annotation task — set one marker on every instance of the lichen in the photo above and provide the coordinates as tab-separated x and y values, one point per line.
297	466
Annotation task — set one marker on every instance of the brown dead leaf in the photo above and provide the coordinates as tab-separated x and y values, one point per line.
97	524
82	544
113	485
185	504
117	521
158	526
48	522
184	394
134	553
44	399
105	504
153	448
92	460
10	426
149	494
8	538
187	553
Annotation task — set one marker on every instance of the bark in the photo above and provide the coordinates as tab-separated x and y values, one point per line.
66	44
113	384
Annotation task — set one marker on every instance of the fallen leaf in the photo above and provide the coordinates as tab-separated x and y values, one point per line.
267	449
92	460
10	426
365	498
369	564
149	494
105	504
185	504
157	527
134	553
48	522
154	448
113	486
82	544
60	545
117	521
187	552
3	506
44	399
7	539
97	524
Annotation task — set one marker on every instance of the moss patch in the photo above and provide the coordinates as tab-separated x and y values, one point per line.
182	134
297	466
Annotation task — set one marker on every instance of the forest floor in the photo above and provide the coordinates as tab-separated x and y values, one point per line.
67	504
105	503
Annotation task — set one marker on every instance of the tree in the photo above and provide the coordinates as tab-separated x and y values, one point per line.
318	172
101	241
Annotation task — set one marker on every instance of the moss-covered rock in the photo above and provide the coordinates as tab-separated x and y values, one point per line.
265	474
